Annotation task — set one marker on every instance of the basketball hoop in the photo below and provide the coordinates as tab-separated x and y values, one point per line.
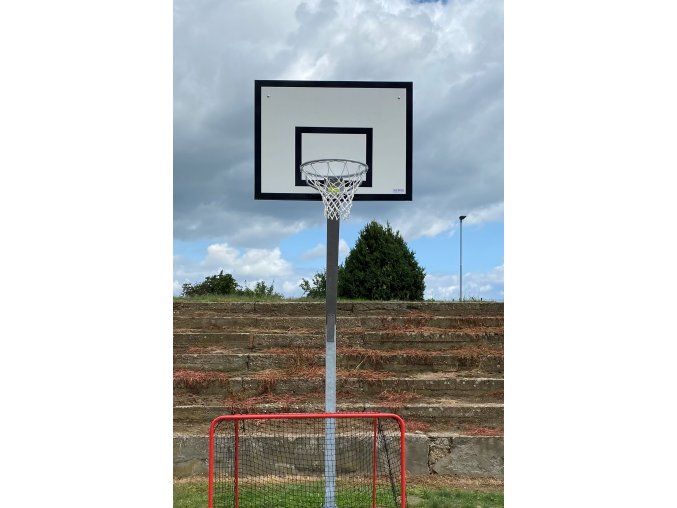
336	180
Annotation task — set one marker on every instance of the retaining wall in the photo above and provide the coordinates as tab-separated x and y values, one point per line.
438	453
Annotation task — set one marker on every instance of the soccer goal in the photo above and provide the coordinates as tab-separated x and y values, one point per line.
278	461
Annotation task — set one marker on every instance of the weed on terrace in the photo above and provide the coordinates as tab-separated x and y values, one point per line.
478	430
246	405
395	400
193	379
417	426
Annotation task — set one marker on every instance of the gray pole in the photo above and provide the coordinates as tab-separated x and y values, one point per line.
460	271
330	364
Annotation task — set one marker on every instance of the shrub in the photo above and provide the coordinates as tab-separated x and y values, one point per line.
260	289
225	284
381	267
221	284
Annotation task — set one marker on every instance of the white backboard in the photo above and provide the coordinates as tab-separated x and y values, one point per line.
298	121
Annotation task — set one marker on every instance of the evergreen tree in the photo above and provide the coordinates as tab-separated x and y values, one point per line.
381	267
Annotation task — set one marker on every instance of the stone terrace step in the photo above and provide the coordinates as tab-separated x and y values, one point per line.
392	361
438	365
425	415
189	308
427	340
292	323
280	383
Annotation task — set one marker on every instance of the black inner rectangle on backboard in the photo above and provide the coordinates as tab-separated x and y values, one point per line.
367	132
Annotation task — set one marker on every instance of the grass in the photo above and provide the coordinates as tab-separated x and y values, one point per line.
230	298
270	377
448	498
270	298
193	494
480	430
278	298
195	379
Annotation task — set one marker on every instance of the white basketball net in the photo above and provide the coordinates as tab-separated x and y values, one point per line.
337	180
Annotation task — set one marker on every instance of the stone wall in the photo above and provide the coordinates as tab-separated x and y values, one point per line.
439	453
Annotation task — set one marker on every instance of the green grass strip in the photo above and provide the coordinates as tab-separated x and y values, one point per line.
194	495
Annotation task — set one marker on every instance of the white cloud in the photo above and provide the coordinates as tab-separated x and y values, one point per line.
421	223
428	222
320	250
260	263
177	287
485	285
291	287
249	265
316	252
344	249
211	220
491	213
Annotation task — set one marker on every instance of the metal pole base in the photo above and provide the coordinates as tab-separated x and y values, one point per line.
330	365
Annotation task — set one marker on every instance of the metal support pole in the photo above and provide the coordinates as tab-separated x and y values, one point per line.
460	271
330	364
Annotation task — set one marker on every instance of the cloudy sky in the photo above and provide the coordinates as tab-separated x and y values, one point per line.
453	54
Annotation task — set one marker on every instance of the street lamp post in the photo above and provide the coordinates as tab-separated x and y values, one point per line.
460	271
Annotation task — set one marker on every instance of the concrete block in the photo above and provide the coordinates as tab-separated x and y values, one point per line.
440	447
191	456
473	456
417	454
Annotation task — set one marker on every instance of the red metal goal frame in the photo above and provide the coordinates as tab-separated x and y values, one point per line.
298	416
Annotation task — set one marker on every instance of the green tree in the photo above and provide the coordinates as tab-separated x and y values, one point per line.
381	267
317	288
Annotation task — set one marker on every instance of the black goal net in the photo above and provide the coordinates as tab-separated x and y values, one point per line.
347	460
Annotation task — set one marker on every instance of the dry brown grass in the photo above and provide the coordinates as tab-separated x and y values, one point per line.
247	405
364	375
456	482
469	330
477	351
395	400
377	357
198	378
412	321
391	399
301	356
317	373
309	372
269	378
374	357
477	430
207	350
416	426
